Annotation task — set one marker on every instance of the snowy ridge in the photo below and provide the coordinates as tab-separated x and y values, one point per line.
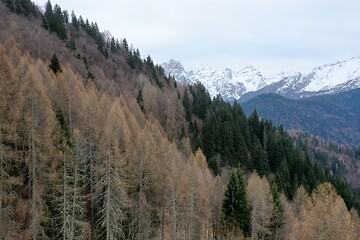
229	84
232	85
329	76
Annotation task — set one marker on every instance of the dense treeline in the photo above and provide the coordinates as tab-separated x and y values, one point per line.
78	163
341	159
24	7
111	148
229	138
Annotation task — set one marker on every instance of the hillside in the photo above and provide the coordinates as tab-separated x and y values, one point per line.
97	142
340	159
334	117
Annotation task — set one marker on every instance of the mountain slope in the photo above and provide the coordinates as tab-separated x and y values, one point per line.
247	83
333	117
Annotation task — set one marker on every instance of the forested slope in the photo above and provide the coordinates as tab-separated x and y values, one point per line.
110	148
333	117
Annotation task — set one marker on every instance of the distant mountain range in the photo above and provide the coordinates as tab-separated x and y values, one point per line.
248	82
335	116
324	102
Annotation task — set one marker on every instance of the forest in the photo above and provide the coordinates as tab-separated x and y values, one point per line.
97	142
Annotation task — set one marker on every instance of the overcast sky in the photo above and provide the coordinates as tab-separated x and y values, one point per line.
271	35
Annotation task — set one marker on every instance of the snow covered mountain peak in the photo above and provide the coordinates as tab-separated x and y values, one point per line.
329	76
174	64
176	69
228	83
251	78
249	82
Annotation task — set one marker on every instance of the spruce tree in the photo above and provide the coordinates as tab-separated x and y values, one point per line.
186	104
140	100
55	64
260	158
235	209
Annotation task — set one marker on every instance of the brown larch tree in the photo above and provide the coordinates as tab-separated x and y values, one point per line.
262	206
111	196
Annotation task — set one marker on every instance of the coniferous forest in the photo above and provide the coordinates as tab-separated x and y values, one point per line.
96	142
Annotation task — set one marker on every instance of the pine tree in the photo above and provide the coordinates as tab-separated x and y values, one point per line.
235	209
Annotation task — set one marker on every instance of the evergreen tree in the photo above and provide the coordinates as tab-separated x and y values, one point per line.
186	104
260	159
55	64
278	218
25	7
254	124
48	16
282	179
9	5
65	14
54	20
140	100
125	46
113	45
235	208
201	100
74	20
275	150
194	136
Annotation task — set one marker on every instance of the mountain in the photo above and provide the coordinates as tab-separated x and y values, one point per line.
231	85
335	116
247	83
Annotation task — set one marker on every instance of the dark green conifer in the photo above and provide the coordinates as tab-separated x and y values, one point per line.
140	100
235	209
55	64
186	104
260	159
74	20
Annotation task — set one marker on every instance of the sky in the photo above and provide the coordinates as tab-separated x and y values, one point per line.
272	35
